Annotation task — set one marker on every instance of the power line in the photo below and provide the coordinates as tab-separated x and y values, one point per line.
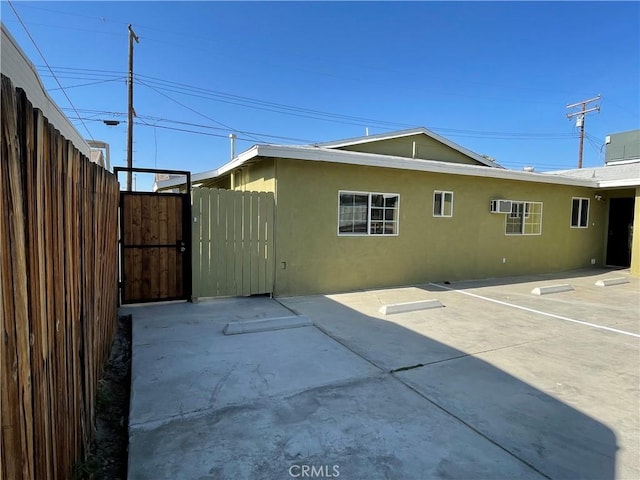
288	53
74	14
158	119
453	132
67	27
449	131
594	142
90	83
249	102
193	110
177	87
515	164
47	64
87	70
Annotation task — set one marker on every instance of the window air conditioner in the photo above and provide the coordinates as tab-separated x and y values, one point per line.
500	206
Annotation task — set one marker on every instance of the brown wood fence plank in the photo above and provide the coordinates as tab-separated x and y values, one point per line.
42	352
164	206
12	433
58	287
20	287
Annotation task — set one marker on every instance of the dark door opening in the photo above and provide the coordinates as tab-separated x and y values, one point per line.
620	230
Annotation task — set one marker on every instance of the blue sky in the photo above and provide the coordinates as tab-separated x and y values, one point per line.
493	77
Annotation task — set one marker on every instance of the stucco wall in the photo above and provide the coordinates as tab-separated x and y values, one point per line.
426	148
635	246
312	258
256	177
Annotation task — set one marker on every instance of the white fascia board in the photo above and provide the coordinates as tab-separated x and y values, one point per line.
613	163
463	150
16	66
238	161
385	161
434	166
627	182
176	182
216	172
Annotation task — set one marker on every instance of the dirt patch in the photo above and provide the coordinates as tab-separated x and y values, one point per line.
107	458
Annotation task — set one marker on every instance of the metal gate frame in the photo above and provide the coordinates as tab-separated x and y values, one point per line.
186	231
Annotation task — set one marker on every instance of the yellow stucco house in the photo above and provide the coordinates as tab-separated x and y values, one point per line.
411	207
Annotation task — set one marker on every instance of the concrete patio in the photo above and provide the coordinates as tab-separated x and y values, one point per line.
500	383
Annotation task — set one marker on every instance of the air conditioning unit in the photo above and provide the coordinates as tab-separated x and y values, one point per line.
500	206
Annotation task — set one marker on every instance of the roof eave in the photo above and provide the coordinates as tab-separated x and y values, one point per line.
407	133
630	182
385	161
434	166
216	172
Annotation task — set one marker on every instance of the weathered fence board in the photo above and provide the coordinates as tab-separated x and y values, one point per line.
58	289
233	251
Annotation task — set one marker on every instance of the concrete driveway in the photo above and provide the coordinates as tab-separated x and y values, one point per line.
498	383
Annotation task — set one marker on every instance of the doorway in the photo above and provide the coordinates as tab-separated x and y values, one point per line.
620	231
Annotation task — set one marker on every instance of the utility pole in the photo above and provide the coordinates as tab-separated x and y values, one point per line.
132	37
580	117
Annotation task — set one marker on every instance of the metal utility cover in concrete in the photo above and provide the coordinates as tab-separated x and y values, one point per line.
266	324
565	287
410	306
607	282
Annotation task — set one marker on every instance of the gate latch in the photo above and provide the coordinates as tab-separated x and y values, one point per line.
181	246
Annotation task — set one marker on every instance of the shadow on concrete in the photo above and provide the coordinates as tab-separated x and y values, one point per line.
542	277
371	396
549	436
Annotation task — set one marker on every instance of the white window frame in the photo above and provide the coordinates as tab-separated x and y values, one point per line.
580	200
531	218
367	233
443	194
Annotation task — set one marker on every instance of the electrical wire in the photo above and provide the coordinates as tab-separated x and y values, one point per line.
513	164
195	111
87	71
249	102
593	141
178	87
74	14
142	121
90	83
46	63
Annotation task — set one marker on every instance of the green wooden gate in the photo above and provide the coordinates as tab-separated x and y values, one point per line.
233	243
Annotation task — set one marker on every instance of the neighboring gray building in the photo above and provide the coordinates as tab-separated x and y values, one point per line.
622	147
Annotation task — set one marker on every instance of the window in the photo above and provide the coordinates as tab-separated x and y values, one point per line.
579	212
363	213
442	204
525	219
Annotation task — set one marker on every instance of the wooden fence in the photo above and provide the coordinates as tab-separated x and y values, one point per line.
58	289
233	242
